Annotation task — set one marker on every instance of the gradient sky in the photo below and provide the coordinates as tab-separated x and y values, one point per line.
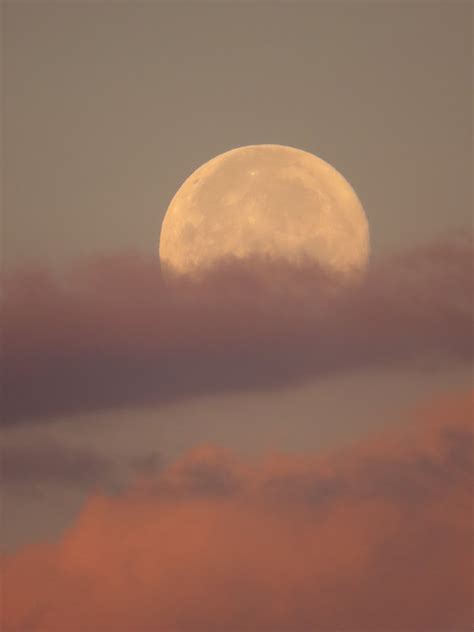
107	108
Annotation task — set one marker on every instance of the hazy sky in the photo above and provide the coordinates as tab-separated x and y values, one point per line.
107	108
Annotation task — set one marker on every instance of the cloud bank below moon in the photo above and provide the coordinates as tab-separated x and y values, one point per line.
112	334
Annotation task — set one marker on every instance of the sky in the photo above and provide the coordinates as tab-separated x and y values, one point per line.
251	451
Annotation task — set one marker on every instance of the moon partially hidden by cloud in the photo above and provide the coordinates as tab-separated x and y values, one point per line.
266	201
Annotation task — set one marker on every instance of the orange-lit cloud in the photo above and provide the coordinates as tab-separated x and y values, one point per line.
114	335
377	537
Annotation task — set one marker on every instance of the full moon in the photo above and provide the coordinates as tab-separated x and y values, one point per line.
267	201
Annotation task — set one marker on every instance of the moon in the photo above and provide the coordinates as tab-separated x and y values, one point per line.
267	201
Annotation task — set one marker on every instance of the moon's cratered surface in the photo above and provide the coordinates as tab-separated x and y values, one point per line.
265	200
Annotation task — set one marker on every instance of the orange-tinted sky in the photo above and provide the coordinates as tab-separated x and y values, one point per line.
254	451
374	538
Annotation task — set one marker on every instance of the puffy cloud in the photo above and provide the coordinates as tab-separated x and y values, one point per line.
113	334
376	537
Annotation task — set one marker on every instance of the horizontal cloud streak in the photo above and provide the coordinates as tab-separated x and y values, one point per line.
114	334
35	462
377	537
43	460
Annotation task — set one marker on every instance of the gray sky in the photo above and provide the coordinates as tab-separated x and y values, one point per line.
108	107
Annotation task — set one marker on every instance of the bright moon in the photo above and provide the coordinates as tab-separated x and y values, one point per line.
266	200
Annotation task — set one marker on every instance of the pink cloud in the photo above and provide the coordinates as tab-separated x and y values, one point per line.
376	537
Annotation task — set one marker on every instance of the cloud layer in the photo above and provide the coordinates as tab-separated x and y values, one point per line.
113	334
377	537
35	461
44	460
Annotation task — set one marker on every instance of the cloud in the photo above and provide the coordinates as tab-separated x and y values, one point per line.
112	334
34	462
48	462
30	462
375	537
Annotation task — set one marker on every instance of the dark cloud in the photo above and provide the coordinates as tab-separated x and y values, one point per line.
31	464
147	464
113	334
204	473
376	537
44	460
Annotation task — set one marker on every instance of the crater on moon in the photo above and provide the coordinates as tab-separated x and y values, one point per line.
265	200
